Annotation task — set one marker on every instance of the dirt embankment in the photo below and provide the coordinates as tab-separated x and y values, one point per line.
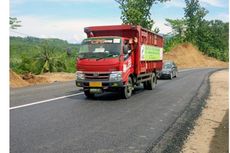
49	77
185	56
210	134
188	56
17	81
30	79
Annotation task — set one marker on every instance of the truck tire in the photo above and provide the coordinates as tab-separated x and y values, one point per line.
127	90
151	84
88	94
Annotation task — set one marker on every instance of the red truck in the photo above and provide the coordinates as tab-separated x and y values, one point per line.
118	58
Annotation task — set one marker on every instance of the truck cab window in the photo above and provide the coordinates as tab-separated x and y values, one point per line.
126	49
99	48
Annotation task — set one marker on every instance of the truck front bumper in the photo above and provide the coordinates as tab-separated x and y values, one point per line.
104	84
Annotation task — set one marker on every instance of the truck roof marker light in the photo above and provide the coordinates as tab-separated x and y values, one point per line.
134	27
86	30
91	34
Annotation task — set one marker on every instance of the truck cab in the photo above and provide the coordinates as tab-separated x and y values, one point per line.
103	64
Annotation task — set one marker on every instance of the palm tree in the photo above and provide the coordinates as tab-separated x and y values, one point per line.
50	60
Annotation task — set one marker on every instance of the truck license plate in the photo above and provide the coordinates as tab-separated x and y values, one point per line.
95	84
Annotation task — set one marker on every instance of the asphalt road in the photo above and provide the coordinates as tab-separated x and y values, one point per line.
73	124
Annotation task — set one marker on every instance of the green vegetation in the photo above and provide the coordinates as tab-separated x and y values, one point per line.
37	55
137	12
211	37
14	23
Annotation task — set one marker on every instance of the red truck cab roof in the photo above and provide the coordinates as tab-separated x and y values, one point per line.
116	28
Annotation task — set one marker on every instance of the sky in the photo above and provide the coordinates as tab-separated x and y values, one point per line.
66	19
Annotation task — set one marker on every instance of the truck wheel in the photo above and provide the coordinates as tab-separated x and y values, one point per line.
127	90
151	84
88	94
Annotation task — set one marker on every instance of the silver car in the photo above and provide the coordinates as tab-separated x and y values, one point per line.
169	70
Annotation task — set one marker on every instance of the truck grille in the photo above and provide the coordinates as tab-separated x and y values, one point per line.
97	76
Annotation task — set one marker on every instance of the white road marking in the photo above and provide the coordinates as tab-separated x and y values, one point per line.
62	97
45	101
183	70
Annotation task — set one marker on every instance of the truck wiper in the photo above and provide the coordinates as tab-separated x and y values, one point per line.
99	58
104	57
82	58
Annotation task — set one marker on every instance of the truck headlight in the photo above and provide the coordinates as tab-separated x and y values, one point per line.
80	75
115	76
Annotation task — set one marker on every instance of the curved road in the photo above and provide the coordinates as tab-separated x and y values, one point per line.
42	123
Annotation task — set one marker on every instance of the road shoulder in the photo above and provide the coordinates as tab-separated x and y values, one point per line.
173	138
210	133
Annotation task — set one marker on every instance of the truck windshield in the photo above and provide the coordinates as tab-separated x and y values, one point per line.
100	48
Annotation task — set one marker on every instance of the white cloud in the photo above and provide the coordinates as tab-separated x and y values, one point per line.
85	1
175	3
64	1
70	30
181	3
216	3
161	25
221	16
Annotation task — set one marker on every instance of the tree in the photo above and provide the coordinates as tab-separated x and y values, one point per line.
177	35
194	15
156	30
137	12
51	61
178	27
14	23
219	34
213	39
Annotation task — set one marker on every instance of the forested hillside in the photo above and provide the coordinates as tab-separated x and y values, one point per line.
38	55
